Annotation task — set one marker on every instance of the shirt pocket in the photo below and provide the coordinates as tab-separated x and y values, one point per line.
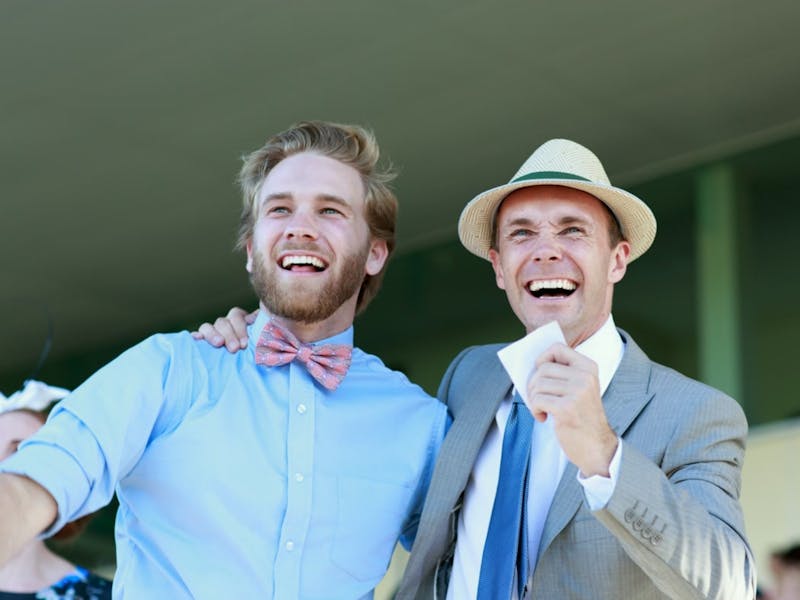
370	518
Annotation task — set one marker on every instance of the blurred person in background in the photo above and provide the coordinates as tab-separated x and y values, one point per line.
785	567
36	572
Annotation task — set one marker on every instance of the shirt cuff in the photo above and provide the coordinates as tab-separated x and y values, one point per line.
51	469
598	489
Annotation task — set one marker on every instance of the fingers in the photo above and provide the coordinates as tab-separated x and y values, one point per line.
219	334
233	332
561	377
206	332
230	330
561	354
235	323
539	414
544	398
565	387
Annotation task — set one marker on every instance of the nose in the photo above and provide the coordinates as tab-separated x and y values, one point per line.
546	249
301	226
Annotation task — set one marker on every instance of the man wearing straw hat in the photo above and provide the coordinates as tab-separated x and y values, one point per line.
597	473
617	478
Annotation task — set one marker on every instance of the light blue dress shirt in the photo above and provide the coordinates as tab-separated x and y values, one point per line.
241	481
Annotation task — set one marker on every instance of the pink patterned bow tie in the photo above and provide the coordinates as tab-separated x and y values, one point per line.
327	364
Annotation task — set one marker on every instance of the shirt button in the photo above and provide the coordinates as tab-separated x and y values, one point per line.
290	545
301	408
298	477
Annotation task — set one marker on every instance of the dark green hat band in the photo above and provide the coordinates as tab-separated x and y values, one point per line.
550	175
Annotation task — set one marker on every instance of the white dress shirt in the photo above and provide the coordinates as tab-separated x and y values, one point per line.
548	461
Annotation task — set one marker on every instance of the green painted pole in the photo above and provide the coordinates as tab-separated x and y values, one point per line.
719	320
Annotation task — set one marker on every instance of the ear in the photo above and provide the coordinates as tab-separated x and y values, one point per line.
249	264
494	257
378	253
618	264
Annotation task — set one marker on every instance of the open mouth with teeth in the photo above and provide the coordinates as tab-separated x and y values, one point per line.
552	288
302	264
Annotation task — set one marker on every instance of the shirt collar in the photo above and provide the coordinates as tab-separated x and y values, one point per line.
344	337
605	347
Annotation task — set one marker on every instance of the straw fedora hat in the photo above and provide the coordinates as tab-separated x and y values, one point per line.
565	163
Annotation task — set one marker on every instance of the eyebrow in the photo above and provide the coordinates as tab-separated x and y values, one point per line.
565	220
516	222
320	197
335	200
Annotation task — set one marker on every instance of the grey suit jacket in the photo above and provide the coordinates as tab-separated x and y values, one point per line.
673	527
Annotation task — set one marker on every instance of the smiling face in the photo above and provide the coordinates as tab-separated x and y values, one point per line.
311	248
555	261
15	426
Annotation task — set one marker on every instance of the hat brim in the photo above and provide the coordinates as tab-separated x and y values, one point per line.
635	218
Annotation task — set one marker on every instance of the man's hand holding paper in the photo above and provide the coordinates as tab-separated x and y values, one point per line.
557	381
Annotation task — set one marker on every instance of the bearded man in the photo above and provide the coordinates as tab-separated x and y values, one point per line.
289	470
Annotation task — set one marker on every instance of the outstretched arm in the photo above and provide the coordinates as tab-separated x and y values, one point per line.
230	330
26	509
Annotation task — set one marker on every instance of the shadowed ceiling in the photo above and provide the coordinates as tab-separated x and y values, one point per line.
122	126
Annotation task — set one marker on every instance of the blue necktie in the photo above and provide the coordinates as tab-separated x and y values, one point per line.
505	551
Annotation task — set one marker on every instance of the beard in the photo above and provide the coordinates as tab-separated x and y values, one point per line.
306	303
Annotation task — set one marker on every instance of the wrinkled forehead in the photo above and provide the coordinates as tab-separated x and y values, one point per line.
551	202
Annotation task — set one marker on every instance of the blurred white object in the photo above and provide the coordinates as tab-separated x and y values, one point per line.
34	396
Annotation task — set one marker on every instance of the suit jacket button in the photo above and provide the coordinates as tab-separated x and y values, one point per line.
630	515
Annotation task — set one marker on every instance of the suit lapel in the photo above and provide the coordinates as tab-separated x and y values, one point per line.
476	395
625	398
476	389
